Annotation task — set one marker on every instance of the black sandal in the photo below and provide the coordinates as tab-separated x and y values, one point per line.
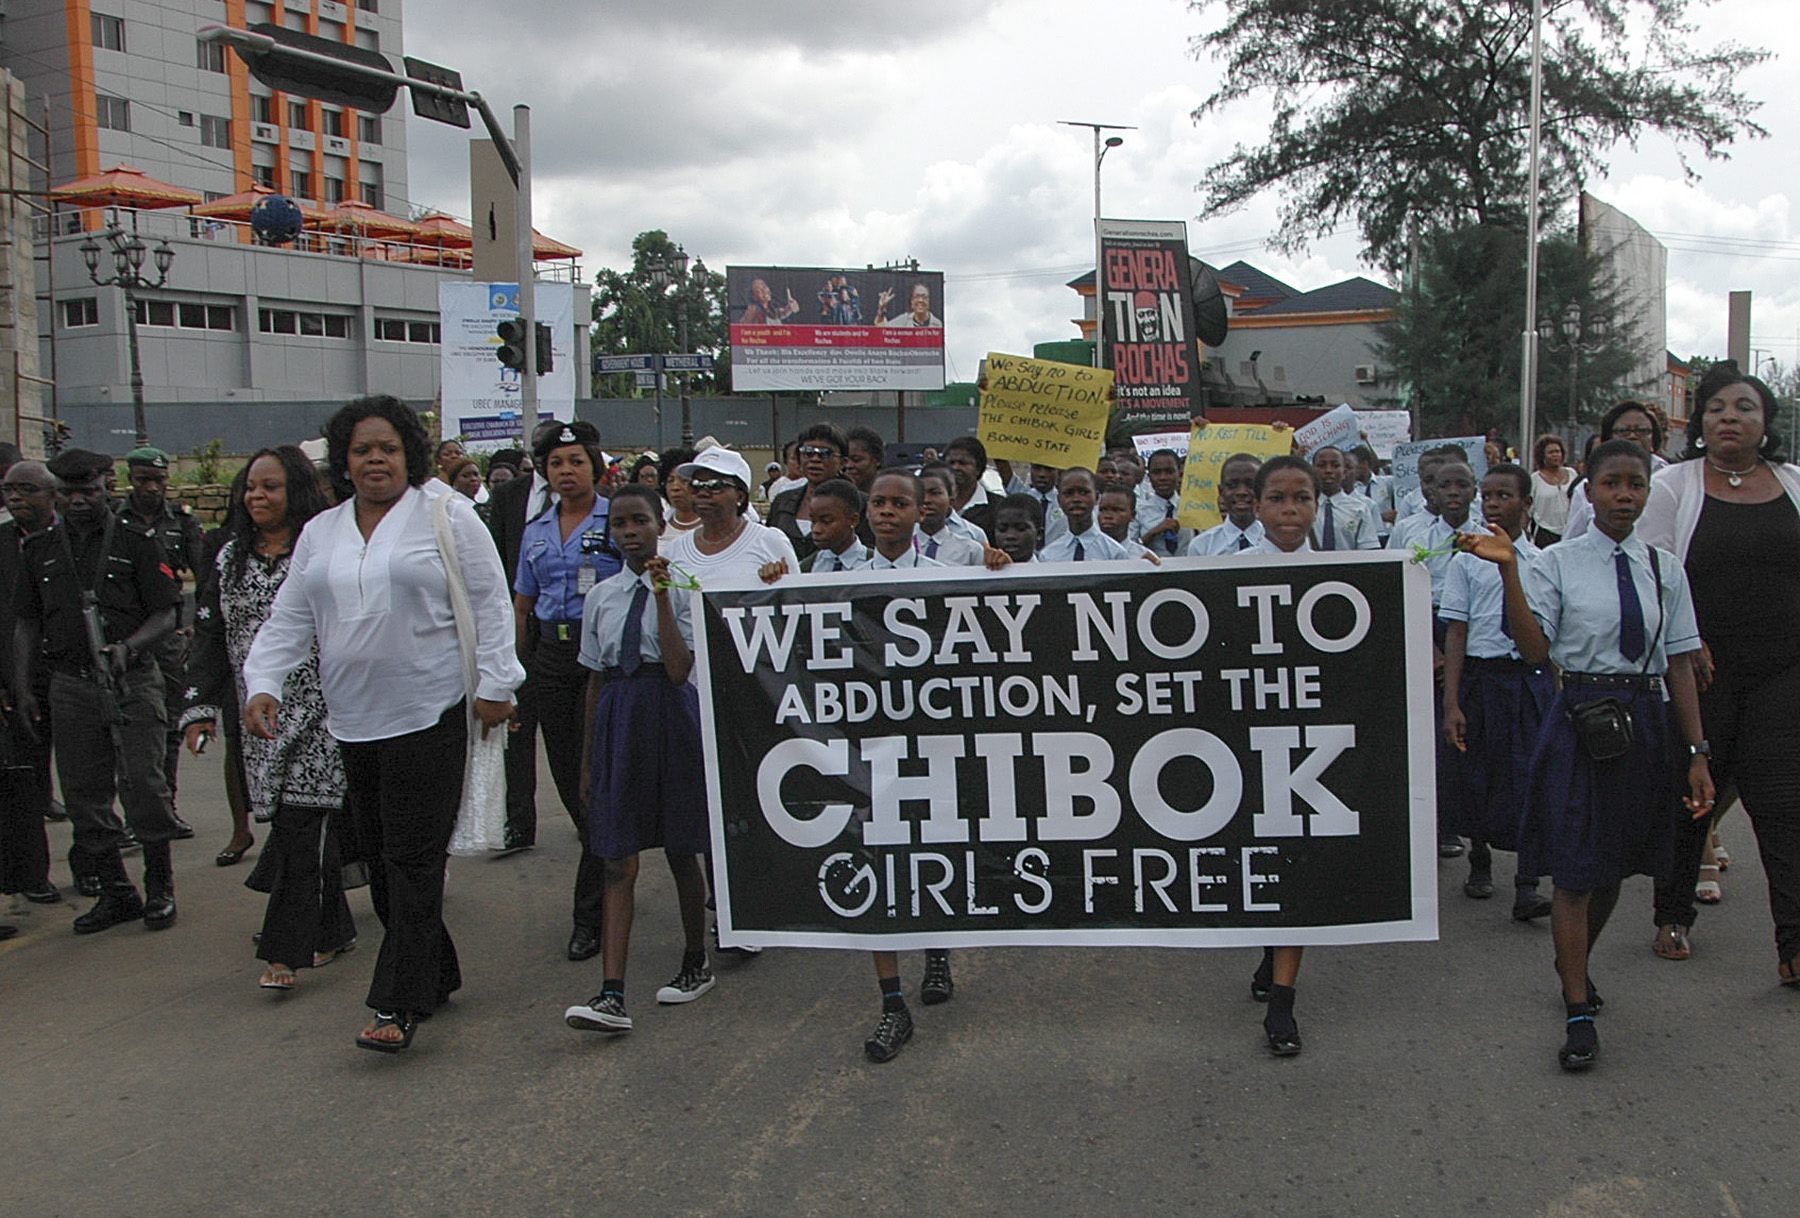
407	1024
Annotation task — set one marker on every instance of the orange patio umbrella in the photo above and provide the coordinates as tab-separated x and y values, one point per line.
124	186
355	216
444	231
548	248
239	205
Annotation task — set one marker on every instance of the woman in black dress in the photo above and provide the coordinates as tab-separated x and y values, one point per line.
1731	513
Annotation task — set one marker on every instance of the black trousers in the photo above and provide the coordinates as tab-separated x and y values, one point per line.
521	761
24	802
92	771
559	685
1750	721
307	910
171	661
404	792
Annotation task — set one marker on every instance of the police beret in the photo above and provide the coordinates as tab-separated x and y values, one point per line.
78	464
576	432
155	458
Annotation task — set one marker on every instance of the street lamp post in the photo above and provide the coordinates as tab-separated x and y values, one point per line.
1571	332
128	253
1102	145
666	269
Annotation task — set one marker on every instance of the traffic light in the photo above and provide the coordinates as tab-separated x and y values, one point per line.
511	351
546	358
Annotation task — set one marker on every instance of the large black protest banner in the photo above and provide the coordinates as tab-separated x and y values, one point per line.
1147	324
1215	752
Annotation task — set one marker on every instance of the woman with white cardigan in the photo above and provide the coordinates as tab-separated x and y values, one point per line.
1730	513
369	583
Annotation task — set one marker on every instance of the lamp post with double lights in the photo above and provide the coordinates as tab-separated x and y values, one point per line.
666	269
1573	334
128	254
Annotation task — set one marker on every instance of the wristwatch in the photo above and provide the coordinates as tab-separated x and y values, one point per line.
1703	749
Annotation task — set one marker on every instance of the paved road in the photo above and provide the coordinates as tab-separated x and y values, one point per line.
146	1075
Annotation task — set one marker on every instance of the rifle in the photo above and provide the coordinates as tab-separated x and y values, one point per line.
106	685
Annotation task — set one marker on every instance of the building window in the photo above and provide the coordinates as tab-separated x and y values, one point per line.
369	6
263	175
297	116
215	132
109	32
368	128
82	311
300	183
371	184
308	325
112	113
399	330
334	191
206	317
209	56
262	109
185	117
368	40
334	122
155	313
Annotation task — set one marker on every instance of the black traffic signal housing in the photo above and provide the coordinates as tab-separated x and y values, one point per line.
546	357
511	351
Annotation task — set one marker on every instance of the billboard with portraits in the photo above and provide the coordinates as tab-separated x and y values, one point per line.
835	328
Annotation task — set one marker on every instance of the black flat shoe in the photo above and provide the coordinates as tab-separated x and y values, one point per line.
48	896
159	911
229	857
7	932
1479	886
183	830
1530	905
584	944
1581	1045
408	1024
1450	847
1263	978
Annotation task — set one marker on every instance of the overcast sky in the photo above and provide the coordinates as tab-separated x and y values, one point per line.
828	132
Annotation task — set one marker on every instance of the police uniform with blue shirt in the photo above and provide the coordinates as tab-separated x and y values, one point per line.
556	573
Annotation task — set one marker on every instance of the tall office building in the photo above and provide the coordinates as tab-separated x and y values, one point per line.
128	81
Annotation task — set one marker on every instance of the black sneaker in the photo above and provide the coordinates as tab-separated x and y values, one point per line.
691	982
1581	1043
894	1030
1479	886
604	1013
1528	904
1450	847
937	985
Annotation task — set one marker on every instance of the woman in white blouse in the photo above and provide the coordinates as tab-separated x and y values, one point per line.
367	582
1551	479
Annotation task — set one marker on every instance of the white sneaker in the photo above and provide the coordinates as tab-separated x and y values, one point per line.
604	1013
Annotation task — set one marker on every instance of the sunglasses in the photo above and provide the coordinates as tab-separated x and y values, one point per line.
820	451
712	484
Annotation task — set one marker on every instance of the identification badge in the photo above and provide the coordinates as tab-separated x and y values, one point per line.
585	578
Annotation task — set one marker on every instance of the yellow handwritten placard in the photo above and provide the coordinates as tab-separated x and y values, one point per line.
1210	446
1044	412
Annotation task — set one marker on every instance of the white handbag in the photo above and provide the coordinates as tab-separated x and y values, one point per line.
481	819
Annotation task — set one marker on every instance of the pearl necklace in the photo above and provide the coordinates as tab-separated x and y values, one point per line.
1734	476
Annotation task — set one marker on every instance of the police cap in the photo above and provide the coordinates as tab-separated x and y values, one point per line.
78	465
155	458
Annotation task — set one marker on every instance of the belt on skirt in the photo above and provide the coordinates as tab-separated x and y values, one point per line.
567	631
1641	682
649	668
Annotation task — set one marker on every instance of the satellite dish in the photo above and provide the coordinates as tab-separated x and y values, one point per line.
1211	322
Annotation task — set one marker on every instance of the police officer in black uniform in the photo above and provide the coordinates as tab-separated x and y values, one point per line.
86	552
30	496
146	508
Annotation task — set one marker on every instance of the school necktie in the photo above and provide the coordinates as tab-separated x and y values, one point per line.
1169	538
1243	542
1330	527
1080	556
931	548
1631	610
631	643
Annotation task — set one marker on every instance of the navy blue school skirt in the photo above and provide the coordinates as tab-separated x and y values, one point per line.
649	785
1588	824
1504	702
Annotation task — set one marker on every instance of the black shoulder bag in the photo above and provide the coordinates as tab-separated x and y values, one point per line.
1603	726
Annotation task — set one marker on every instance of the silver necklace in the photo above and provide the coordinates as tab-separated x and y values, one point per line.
1734	476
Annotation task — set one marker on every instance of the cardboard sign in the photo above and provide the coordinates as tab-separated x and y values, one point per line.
1405	468
1043	412
1383	429
1175	441
1336	428
1209	448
